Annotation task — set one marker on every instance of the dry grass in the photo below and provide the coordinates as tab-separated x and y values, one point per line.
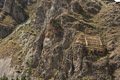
9	20
8	49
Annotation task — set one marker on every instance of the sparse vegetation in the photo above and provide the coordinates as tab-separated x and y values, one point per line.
13	42
86	78
10	38
27	63
32	32
23	77
38	30
60	39
4	78
0	40
31	55
41	79
19	59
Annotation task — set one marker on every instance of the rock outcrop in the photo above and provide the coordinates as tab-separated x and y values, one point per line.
63	40
12	13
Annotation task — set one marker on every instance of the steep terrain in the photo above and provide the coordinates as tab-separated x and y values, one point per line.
60	39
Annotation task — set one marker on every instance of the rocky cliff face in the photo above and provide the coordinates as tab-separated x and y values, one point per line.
61	40
12	13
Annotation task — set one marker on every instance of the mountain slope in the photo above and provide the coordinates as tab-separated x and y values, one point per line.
63	40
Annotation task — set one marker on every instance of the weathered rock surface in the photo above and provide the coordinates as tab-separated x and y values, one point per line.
14	9
5	67
65	40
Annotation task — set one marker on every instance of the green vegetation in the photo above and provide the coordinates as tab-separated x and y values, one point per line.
41	79
10	38
32	32
86	78
52	79
0	40
4	78
38	30
28	70
26	62
31	55
20	52
17	78
23	77
13	42
56	73
19	59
